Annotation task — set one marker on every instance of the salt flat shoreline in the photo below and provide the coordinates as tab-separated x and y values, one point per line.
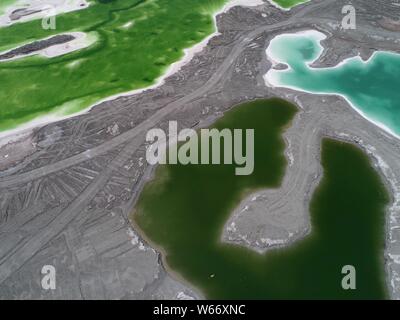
363	133
81	40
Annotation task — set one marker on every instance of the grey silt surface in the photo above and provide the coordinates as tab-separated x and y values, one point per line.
65	196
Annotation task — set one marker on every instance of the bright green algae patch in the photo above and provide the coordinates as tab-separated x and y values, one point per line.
372	87
137	41
184	208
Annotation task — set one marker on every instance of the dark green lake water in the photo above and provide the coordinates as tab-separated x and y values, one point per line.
183	210
371	87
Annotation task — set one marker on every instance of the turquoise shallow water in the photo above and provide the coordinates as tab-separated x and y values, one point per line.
372	87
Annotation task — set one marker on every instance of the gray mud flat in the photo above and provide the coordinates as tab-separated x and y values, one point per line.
65	200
